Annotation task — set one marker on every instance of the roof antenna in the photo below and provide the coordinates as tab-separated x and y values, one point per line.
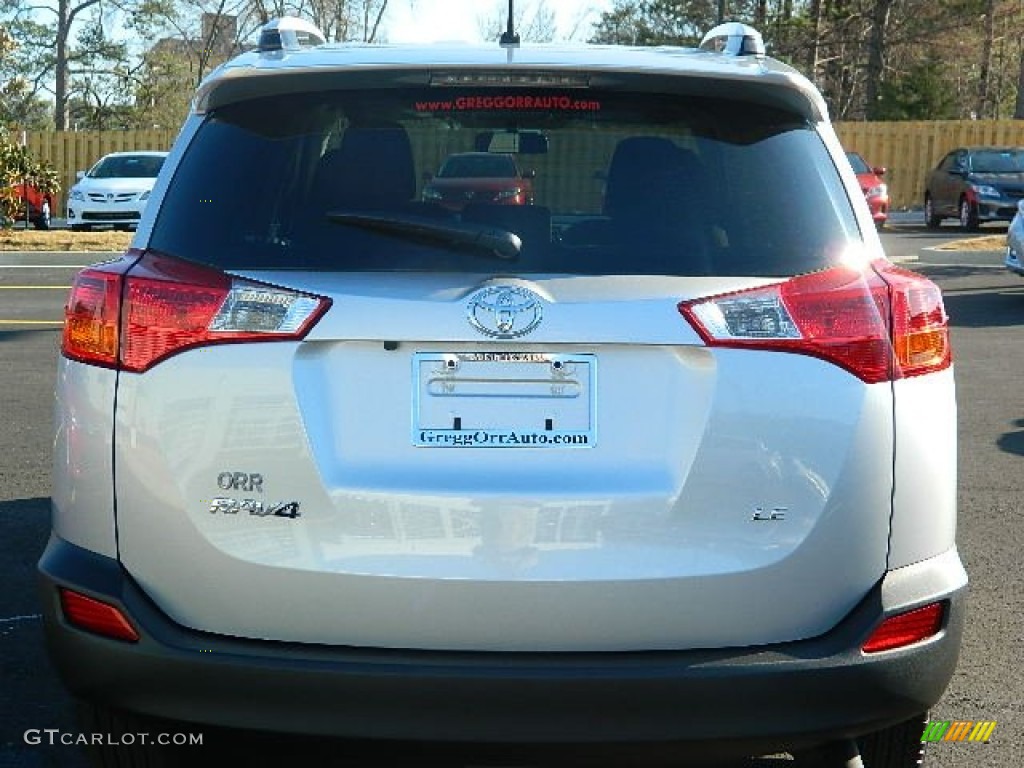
509	38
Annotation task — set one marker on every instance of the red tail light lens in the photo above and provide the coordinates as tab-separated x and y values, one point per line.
168	308
163	306
920	326
92	314
842	315
906	629
96	616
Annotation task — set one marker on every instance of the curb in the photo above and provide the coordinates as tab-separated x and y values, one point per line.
972	258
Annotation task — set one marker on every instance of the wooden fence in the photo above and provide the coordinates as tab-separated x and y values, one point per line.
908	150
72	151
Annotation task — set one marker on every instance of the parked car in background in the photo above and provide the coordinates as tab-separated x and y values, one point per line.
35	206
634	469
114	191
975	185
876	191
480	177
1015	242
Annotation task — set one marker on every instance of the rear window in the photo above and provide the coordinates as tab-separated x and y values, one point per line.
610	183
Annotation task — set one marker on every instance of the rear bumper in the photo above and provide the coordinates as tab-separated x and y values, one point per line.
736	701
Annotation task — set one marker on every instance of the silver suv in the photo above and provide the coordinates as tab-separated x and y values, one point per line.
665	459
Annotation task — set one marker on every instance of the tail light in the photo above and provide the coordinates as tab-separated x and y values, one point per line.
879	324
92	314
132	314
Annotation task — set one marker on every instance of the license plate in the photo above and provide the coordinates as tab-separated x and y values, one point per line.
503	400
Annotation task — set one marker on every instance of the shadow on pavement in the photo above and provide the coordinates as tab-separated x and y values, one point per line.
997	301
33	697
952	271
1013	442
16	334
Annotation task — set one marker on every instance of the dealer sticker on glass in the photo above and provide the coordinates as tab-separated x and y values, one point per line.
503	400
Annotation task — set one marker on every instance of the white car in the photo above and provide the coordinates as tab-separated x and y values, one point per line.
665	461
1015	242
114	191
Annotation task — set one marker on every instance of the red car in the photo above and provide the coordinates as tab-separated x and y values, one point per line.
875	190
480	177
40	205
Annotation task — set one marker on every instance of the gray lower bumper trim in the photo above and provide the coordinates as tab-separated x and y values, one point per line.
737	700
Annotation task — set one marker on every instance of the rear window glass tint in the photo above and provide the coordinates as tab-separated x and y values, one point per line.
619	183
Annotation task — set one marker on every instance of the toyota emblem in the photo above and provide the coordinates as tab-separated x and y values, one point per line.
504	311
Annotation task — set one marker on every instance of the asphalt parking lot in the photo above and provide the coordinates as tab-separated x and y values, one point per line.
986	307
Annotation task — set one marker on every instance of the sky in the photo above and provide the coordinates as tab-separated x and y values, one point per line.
422	21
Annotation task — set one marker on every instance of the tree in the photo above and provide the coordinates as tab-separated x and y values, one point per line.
161	86
852	49
534	23
878	26
339	20
93	47
19	102
921	94
985	71
19	105
201	33
97	98
1018	110
192	37
656	22
51	45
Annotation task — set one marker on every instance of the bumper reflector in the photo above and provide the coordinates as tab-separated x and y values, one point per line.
95	616
906	628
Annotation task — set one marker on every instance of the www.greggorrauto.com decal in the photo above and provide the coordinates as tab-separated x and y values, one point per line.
490	438
517	101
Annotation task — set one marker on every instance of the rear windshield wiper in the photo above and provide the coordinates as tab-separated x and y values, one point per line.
490	240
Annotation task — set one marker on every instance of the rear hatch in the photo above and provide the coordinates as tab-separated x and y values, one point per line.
590	424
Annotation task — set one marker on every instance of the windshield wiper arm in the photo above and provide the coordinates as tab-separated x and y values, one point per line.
492	240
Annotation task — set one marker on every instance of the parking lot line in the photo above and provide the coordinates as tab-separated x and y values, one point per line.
23	617
43	266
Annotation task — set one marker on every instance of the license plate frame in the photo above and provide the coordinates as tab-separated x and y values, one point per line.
541	400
